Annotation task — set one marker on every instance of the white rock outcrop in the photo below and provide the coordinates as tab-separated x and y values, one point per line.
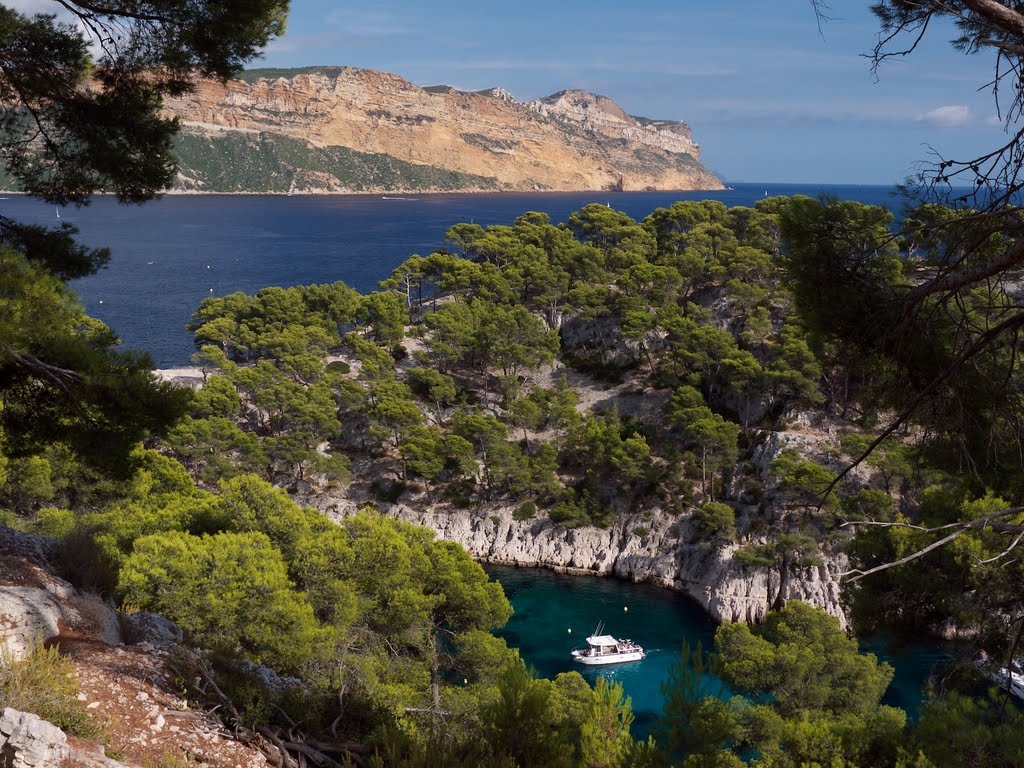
656	548
36	604
28	741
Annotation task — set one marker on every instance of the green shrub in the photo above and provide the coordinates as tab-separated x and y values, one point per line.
53	522
44	683
387	491
716	521
230	592
641	531
527	511
338	366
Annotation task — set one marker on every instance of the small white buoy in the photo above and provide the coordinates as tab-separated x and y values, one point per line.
101	301
465	681
570	630
208	266
625	608
211	290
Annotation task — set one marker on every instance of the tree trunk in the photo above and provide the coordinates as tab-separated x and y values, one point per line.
704	470
780	600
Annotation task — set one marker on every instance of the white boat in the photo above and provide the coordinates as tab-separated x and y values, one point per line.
605	649
1007	678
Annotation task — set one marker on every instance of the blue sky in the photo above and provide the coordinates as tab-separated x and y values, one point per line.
768	98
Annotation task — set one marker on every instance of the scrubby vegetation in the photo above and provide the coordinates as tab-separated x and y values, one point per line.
276	163
586	372
44	684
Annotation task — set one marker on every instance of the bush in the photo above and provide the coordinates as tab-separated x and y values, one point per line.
230	592
387	491
527	511
53	522
716	521
44	683
338	366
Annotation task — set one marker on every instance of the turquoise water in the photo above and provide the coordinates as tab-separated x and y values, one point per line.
547	605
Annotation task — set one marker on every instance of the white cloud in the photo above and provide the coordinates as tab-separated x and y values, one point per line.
950	116
370	23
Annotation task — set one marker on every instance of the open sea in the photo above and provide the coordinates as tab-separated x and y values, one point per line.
170	254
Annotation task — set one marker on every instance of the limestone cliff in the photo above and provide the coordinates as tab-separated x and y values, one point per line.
666	554
343	129
649	545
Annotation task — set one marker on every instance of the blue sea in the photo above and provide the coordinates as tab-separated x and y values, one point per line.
170	254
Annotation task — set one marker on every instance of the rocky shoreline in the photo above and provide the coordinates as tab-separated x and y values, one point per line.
657	548
653	546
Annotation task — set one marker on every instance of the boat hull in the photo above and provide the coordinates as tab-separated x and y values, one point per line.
1014	681
608	658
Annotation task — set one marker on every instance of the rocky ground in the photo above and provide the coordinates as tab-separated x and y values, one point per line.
127	670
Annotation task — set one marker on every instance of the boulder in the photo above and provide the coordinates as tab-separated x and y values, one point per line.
152	628
28	741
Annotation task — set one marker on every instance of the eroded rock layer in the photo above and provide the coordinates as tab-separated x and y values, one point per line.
342	129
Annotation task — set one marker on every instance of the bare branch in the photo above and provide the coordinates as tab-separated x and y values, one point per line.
960	527
1012	323
1006	551
858	574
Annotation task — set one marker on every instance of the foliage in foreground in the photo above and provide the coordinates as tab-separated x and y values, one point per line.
44	683
805	696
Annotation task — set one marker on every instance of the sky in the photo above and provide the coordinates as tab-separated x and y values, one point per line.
769	97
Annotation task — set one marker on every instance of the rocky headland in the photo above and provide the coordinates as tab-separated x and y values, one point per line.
342	129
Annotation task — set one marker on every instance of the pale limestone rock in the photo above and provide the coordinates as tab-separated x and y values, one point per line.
569	141
35	604
151	628
27	741
30	614
665	556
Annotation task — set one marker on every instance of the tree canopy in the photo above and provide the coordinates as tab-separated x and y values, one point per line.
82	95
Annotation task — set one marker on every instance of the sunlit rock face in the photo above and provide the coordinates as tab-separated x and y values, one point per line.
342	129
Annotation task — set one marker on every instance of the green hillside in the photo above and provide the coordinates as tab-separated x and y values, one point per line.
266	162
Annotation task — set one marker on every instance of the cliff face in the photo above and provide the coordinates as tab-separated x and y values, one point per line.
649	545
346	129
665	555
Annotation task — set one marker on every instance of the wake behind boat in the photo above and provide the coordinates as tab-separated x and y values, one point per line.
605	649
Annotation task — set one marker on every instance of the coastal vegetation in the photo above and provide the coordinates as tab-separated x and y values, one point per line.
575	374
468	381
234	162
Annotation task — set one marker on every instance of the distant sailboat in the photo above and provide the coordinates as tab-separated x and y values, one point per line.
58	211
